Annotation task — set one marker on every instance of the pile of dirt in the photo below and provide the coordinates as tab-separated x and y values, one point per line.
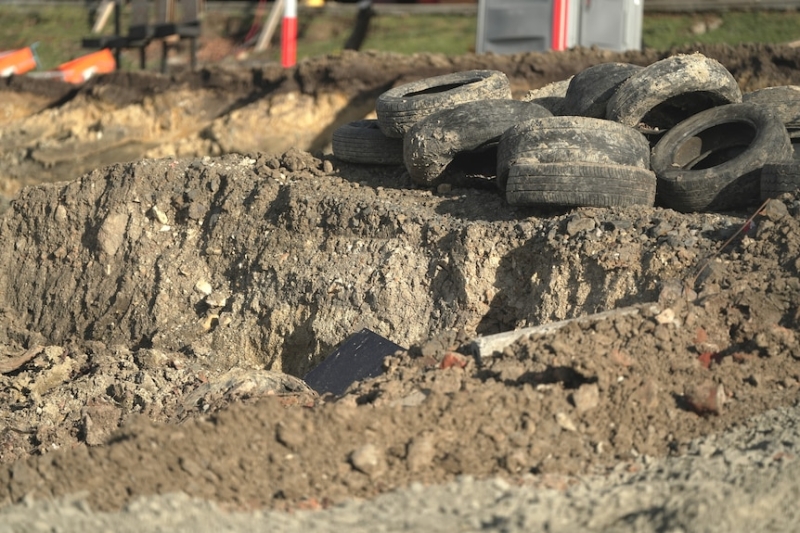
157	315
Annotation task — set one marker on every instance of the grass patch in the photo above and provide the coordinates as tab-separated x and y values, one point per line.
661	31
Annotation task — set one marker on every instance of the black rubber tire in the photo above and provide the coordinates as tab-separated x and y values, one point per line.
713	160
589	91
669	91
579	184
783	100
778	178
362	141
571	140
401	107
432	143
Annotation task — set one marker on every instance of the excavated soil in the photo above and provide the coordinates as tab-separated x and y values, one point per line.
157	314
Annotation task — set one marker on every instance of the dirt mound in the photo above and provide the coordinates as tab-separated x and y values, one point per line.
156	314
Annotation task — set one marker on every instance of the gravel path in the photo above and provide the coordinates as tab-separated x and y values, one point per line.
744	480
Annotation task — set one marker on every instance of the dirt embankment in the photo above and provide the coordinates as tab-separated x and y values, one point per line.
161	308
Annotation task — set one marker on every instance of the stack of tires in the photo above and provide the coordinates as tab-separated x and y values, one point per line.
677	132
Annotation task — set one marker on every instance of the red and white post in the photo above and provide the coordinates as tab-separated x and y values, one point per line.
560	25
289	35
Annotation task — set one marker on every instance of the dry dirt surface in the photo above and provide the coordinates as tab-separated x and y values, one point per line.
157	314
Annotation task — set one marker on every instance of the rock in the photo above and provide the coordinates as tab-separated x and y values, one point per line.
667	316
112	233
565	422
421	451
586	397
706	398
775	210
578	224
368	459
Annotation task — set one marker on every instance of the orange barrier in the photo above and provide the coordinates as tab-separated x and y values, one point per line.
82	68
17	62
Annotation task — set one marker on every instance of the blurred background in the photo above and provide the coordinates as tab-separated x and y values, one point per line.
229	30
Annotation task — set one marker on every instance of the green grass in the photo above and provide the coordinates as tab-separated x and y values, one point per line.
666	31
59	29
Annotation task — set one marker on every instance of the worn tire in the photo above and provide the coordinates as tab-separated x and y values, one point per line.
551	96
713	160
362	141
784	100
669	91
589	91
401	107
778	178
571	140
432	143
579	184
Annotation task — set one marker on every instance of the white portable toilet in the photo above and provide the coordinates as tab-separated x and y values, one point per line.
611	24
512	26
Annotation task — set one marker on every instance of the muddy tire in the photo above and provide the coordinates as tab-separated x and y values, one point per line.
551	96
579	184
669	91
778	178
401	107
363	142
589	91
713	160
432	143
784	100
571	140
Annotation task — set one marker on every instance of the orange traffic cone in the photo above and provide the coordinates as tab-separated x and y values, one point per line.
82	68
16	62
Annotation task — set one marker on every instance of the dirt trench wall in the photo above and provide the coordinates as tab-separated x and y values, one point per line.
270	260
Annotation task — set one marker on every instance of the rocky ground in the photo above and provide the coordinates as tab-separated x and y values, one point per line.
157	316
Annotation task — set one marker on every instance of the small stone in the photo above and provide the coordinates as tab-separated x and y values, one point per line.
216	299
586	397
706	398
444	188
775	210
203	287
61	213
368	459
667	316
421	451
660	230
327	166
647	394
159	215
578	224
196	210
566	423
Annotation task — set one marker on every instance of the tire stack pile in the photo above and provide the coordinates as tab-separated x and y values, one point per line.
678	132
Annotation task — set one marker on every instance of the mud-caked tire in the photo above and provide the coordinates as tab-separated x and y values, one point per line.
401	107
713	160
669	91
432	143
778	178
571	140
551	96
579	185
589	91
363	142
784	100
